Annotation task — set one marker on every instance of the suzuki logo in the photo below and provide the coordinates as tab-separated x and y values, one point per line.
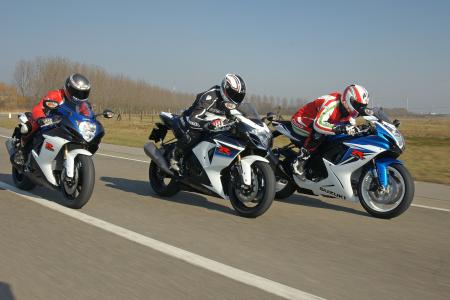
358	154
49	146
331	193
224	150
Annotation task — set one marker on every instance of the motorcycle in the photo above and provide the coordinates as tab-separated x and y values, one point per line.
229	163
60	154
363	167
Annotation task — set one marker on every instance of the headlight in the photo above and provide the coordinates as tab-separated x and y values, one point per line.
87	130
399	138
396	134
260	138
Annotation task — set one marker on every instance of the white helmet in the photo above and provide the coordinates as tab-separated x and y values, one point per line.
233	88
355	99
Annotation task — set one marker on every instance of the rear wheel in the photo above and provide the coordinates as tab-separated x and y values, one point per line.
161	183
284	188
252	201
21	181
78	190
391	202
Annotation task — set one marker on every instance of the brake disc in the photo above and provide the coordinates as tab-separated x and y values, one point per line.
248	193
70	184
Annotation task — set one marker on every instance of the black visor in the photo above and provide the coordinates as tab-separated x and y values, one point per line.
81	95
359	107
234	95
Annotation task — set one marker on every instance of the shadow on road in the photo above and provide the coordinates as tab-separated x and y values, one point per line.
313	202
143	188
45	193
5	291
6	178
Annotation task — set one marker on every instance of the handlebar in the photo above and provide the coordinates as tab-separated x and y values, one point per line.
363	129
49	121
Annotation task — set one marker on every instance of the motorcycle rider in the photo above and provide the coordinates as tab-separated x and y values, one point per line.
207	113
331	114
76	89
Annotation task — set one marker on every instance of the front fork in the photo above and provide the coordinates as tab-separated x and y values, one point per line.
240	172
380	172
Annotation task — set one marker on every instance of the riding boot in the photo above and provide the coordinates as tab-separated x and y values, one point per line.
299	164
174	160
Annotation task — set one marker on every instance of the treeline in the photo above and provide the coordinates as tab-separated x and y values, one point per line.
118	92
10	99
34	78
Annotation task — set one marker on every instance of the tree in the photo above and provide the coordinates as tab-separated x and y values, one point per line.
23	77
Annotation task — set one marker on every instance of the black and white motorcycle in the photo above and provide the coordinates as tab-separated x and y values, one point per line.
361	168
230	164
60	154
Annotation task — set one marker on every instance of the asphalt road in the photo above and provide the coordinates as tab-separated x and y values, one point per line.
327	248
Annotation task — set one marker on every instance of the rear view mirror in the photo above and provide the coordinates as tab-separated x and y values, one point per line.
108	114
396	123
270	116
51	104
368	112
230	105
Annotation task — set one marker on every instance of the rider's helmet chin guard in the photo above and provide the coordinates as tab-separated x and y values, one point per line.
77	88
355	100
233	89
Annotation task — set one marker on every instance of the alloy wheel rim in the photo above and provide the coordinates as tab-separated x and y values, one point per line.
389	200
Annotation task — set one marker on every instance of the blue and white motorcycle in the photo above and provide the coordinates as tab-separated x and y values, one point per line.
59	155
363	167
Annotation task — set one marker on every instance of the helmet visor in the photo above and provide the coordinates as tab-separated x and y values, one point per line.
359	107
234	96
81	95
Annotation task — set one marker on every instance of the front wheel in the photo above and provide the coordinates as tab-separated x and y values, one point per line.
392	202
252	201
78	190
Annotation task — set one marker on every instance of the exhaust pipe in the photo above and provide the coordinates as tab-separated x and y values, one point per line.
156	156
10	146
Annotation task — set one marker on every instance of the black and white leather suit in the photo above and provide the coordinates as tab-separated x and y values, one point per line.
207	106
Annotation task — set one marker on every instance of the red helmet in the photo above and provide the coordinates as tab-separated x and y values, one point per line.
355	99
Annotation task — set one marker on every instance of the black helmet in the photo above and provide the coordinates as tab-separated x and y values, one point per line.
233	88
77	87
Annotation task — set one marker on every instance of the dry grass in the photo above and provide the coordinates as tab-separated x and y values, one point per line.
427	152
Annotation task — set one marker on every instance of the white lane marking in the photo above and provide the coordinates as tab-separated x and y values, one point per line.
121	157
250	279
430	207
147	162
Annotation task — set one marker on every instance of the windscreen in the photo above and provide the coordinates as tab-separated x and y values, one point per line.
82	108
381	114
249	111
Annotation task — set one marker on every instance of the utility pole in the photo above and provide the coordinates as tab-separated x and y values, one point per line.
407	104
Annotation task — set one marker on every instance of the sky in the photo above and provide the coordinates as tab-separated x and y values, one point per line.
398	50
